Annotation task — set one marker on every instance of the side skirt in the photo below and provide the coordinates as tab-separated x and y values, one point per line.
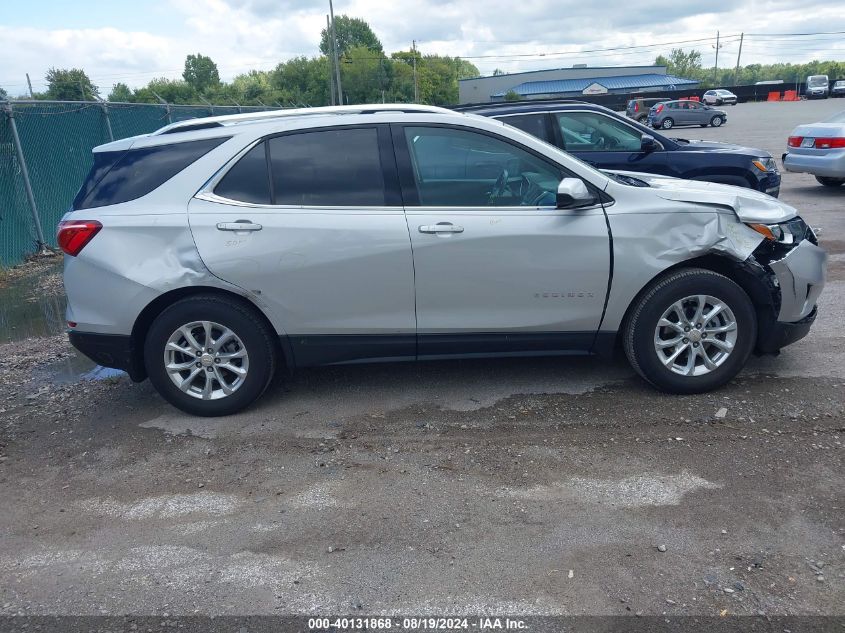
341	349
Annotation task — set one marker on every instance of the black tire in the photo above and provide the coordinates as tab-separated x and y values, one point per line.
667	123
703	125
716	121
248	326
639	329
830	182
719	102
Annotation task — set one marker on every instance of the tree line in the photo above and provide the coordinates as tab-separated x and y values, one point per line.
687	64
368	75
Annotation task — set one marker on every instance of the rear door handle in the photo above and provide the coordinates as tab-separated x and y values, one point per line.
240	225
441	227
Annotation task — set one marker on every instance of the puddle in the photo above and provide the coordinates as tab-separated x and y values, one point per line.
25	313
75	368
32	305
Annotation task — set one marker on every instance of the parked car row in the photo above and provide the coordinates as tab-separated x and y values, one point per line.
818	149
215	252
606	140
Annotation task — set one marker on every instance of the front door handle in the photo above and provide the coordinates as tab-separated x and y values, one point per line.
240	225
441	227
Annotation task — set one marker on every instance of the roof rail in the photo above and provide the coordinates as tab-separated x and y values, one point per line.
469	107
249	117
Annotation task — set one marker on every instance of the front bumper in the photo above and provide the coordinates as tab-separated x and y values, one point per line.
774	335
800	276
831	163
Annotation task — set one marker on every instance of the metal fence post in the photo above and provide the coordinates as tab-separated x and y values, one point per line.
39	233
108	122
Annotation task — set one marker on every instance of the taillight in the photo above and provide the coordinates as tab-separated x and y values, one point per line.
73	235
830	143
659	109
636	106
795	141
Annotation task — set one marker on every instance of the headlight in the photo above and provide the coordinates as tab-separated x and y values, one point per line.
789	232
765	164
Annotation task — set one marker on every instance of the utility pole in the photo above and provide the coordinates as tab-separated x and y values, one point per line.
736	72
334	54
29	83
716	66
416	89
330	57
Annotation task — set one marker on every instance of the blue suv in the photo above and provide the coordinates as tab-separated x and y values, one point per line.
607	140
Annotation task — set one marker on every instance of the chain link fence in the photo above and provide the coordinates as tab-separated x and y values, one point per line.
49	144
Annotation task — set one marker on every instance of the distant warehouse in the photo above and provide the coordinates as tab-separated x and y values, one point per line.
572	82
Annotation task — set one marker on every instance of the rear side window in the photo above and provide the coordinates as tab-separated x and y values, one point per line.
137	172
328	168
249	179
534	124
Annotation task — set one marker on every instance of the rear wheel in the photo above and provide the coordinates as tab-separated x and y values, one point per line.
667	123
716	121
690	332
830	182
210	356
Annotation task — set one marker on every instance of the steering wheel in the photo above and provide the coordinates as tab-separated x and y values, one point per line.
500	187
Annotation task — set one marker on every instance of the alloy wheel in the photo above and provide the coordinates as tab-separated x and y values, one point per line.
206	360
695	335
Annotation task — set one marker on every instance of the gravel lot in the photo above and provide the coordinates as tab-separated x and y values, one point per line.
532	486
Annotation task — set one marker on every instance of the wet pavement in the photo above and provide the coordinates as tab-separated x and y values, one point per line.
531	486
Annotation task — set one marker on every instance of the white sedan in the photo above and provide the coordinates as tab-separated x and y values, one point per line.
819	149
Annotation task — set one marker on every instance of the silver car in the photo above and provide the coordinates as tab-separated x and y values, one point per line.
669	114
214	252
819	149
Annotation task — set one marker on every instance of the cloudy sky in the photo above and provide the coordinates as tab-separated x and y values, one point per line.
136	41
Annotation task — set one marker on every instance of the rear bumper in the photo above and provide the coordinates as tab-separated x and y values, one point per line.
830	164
109	350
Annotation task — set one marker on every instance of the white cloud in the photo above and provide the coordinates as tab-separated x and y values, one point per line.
244	34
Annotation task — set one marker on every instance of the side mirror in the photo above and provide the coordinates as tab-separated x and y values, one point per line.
572	193
647	143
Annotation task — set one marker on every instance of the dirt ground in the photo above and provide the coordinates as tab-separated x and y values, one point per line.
529	486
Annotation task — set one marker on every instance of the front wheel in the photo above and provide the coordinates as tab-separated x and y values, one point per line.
667	124
830	182
690	332
210	356
716	121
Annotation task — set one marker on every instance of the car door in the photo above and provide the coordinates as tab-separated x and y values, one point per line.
606	142
498	267
696	114
311	224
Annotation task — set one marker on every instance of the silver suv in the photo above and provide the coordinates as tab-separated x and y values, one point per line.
213	252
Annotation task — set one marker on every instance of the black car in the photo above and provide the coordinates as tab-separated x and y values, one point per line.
608	140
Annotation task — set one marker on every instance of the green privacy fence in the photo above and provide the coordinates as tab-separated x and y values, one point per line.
53	148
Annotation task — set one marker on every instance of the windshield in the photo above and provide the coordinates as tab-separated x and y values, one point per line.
816	81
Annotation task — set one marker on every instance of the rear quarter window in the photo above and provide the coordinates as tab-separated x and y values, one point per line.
121	177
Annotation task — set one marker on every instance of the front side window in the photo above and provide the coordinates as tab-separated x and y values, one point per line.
327	168
594	132
461	168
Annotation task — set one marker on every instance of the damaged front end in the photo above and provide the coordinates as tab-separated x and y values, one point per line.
791	265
